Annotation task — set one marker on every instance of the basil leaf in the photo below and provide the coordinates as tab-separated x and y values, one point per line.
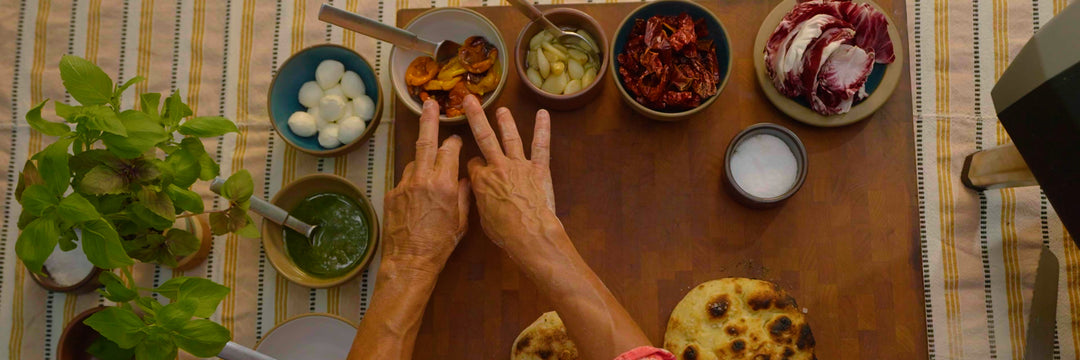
250	230
208	169
185	199
238	187
65	111
185	167
175	315
104	349
208	126
121	326
37	199
25	218
145	218
158	202
170	289
202	338
148	305
206	294
230	220
29	176
149	103
36	242
101	118
33	117
143	133
76	209
181	242
175	110
102	245
115	290
85	81
120	89
53	165
158	345
67	240
102	180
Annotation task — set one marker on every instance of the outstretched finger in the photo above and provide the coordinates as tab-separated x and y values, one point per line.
541	144
446	161
464	198
407	174
511	140
428	139
481	129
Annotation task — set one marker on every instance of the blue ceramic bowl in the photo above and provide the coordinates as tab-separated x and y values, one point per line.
717	33
283	98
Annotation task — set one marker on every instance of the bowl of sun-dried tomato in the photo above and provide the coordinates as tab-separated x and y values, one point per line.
671	59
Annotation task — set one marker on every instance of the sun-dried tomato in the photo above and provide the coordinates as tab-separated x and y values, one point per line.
668	63
477	54
421	70
455	103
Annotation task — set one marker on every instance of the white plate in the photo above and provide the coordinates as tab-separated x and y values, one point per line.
454	24
312	336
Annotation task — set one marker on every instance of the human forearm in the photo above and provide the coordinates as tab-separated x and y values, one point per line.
402	290
593	317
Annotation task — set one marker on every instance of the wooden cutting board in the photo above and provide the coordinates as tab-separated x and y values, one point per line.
644	204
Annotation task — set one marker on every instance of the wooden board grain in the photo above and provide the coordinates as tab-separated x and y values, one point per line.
644	204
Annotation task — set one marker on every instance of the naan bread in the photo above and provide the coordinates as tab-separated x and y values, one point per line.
737	318
544	339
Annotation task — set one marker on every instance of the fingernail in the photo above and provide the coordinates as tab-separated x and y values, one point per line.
502	110
455	136
429	103
542	112
472	98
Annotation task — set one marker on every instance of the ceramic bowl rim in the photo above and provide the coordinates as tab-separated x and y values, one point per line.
414	105
605	52
369	130
297	317
374	234
662	115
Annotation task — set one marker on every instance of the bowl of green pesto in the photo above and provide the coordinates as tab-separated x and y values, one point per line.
343	244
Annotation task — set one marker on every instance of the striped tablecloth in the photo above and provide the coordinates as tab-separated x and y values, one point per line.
980	249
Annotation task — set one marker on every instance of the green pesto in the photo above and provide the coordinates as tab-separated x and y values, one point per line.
340	241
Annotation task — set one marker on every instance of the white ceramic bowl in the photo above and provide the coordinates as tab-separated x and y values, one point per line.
455	24
310	336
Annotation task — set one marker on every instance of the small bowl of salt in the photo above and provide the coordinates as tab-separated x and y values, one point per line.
764	165
68	271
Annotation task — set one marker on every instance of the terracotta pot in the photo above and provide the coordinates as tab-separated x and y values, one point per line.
87	284
200	227
77	337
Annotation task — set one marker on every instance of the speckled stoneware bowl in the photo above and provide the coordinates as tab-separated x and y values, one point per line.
439	24
283	98
309	336
291	195
717	33
573	19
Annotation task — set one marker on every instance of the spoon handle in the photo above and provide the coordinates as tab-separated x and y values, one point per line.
270	211
534	14
375	29
234	351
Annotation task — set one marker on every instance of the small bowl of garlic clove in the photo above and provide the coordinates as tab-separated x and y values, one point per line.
564	76
325	100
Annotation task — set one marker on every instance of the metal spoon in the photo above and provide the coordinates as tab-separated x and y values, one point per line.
442	51
272	212
564	37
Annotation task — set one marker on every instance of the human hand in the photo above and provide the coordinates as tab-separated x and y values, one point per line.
427	213
514	195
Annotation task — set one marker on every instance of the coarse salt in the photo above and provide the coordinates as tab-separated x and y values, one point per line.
68	268
764	166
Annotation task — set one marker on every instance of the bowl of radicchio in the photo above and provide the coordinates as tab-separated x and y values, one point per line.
670	59
828	62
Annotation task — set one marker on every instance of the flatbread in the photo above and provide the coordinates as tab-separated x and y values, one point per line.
544	339
738	318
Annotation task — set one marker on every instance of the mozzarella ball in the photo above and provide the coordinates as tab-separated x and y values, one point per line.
328	137
364	107
336	90
346	112
331	107
329	73
302	124
321	123
310	93
352	84
314	112
350	128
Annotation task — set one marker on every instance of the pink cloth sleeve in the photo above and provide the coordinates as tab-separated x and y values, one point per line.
646	353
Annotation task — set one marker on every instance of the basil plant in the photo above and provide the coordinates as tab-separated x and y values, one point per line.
122	178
